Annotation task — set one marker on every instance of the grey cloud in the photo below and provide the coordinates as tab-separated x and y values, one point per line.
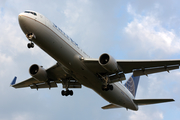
166	11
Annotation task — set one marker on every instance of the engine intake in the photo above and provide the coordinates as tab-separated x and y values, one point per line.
108	63
38	72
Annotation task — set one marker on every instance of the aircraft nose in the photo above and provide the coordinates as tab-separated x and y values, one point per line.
23	22
21	18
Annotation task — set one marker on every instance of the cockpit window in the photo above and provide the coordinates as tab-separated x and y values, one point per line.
31	12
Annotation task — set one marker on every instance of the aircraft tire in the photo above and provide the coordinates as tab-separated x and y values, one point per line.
71	92
62	92
29	45
32	45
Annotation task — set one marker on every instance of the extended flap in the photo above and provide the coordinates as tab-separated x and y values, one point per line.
43	85
154	70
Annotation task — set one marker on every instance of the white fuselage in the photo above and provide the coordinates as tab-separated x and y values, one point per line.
65	51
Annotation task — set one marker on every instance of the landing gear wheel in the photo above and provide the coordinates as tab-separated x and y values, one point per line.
63	92
67	92
71	92
30	45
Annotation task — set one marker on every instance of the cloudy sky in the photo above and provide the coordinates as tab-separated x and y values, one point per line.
126	29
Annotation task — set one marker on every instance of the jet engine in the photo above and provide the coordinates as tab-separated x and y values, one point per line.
108	63
38	72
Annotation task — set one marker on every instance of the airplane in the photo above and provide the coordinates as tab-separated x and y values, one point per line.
75	68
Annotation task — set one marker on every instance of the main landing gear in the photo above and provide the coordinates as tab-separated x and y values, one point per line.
106	86
30	37
67	91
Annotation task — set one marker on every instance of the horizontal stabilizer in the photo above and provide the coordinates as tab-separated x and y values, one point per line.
150	101
111	106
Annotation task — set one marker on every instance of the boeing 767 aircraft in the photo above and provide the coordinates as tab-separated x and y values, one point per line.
75	68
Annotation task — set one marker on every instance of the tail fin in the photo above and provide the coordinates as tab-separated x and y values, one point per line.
132	84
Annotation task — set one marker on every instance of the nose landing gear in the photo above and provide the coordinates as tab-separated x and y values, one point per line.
30	37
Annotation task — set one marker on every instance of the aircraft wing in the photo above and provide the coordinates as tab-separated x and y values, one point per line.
56	75
151	101
138	67
25	83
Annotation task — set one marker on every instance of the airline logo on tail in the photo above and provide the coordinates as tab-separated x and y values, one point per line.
132	84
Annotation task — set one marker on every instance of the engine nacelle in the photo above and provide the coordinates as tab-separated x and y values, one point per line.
108	63
38	72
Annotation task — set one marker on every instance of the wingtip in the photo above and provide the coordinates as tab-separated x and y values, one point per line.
14	81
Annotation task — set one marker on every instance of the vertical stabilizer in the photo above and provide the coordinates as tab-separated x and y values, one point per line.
132	84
